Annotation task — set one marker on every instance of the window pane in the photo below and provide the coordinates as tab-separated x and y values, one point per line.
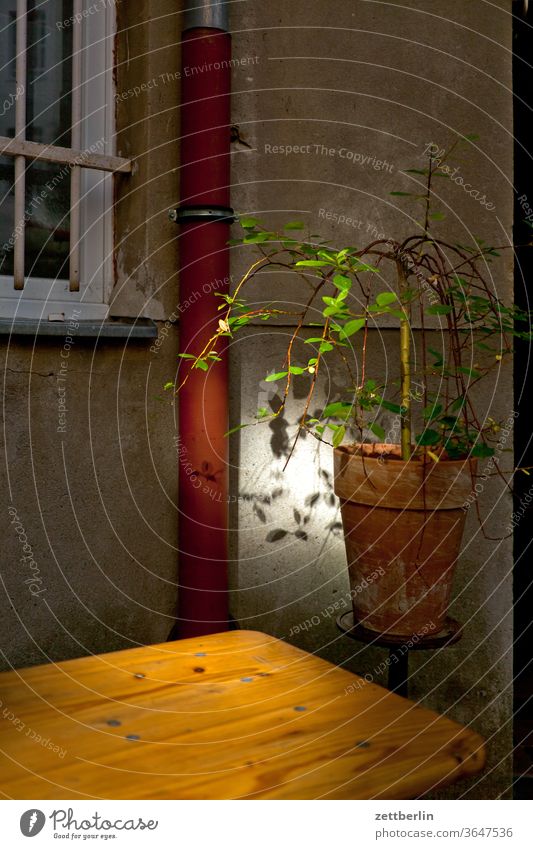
49	83
48	108
47	227
7	214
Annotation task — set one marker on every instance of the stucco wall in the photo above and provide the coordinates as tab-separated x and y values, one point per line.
96	500
354	84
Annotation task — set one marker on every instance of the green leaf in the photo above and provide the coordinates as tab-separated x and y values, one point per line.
470	372
235	429
458	404
294	225
337	310
439	361
256	238
436	216
270	378
423	172
392	408
342	282
386	298
432	411
439	309
377	430
296	370
429	437
325	347
337	408
455	450
352	327
402	194
482	450
310	250
310	263
169	385
313	339
449	422
340	433
201	364
249	223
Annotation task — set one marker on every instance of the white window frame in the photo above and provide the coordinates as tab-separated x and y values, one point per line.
94	161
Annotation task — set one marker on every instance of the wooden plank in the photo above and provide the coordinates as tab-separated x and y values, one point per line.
64	155
235	715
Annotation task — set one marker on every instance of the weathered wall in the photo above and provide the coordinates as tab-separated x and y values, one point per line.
97	502
381	81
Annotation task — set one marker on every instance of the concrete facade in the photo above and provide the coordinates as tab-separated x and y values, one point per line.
351	84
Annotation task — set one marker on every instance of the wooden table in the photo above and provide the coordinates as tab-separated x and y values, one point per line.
233	715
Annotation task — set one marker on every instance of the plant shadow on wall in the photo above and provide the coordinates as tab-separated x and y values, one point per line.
404	486
316	509
299	519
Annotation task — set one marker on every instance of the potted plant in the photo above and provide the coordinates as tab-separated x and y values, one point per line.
404	498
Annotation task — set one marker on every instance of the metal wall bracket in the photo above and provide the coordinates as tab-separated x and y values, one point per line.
186	214
212	14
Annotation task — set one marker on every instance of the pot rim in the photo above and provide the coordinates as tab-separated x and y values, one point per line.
379	452
419	484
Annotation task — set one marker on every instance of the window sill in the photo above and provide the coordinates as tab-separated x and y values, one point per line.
85	329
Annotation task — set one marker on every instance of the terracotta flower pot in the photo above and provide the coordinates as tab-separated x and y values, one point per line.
403	524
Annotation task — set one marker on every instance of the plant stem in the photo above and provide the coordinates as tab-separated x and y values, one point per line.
405	365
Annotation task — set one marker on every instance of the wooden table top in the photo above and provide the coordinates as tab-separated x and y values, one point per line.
233	715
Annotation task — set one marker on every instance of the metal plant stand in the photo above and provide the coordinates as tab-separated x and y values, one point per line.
399	648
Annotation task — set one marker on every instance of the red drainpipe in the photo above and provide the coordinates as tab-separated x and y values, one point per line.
204	216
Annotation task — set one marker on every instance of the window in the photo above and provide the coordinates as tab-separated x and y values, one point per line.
56	127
